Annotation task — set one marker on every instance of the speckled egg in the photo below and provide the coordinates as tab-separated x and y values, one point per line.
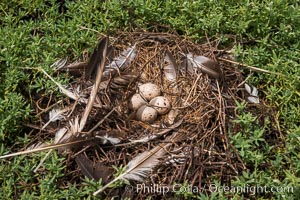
137	101
161	104
149	91
146	114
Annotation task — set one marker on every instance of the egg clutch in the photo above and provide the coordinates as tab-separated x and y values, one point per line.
148	104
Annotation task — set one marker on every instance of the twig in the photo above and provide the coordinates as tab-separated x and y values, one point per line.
43	160
89	29
251	67
101	121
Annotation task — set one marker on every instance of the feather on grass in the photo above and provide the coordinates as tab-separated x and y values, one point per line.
253	92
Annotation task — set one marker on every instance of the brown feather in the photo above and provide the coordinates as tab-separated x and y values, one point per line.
205	65
93	171
96	58
101	53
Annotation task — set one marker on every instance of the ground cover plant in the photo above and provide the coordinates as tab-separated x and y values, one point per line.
261	34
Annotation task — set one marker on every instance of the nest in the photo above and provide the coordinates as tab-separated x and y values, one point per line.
198	150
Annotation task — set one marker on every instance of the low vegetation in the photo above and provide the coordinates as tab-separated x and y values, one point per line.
264	34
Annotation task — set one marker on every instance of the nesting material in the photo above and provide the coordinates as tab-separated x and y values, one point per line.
183	112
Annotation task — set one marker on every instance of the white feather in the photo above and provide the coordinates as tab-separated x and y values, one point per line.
107	138
254	92
248	88
140	172
253	99
54	115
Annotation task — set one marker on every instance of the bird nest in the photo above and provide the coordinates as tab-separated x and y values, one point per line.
188	145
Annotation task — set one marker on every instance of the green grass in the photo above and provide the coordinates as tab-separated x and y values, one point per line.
264	34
